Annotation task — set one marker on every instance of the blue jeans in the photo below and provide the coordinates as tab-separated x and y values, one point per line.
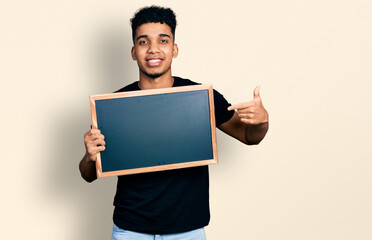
120	234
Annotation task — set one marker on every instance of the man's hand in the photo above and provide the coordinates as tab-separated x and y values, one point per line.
94	143
252	112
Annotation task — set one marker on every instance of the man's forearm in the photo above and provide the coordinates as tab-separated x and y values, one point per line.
88	169
255	133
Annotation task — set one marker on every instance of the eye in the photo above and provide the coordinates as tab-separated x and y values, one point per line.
163	41
142	42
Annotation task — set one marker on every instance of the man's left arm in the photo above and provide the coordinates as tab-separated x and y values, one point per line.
250	121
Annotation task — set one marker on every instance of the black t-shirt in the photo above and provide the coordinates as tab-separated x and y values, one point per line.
170	201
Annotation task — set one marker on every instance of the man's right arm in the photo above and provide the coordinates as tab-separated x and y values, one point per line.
94	143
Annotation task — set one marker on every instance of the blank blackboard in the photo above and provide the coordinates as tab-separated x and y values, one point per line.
154	130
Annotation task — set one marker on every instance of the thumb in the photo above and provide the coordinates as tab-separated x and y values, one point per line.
256	92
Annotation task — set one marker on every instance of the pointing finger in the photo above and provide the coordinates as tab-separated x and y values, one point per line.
240	106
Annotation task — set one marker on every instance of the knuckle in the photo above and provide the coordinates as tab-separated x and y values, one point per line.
95	131
92	131
249	121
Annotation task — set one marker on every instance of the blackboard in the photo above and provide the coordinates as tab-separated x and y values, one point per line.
154	130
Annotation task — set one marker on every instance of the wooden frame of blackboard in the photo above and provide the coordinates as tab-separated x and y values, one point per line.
157	92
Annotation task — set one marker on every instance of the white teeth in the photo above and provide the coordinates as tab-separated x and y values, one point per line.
154	60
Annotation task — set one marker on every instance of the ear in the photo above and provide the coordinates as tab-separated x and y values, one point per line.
175	50
133	53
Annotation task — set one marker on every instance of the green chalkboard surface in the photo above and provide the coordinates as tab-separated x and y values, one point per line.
155	130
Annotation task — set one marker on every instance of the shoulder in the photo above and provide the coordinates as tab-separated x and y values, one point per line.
131	87
178	82
220	103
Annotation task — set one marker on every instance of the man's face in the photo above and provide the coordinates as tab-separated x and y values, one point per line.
154	49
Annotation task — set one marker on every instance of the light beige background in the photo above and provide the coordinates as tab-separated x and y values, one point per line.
309	179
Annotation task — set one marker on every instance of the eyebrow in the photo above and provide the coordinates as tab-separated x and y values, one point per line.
160	35
164	35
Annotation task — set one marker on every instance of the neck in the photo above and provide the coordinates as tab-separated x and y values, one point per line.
164	81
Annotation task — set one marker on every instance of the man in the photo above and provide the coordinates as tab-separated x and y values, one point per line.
172	204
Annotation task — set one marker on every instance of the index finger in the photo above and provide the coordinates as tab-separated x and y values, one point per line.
240	106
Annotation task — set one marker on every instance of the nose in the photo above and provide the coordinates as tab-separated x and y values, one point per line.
153	48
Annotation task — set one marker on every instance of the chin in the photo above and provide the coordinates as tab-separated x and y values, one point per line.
154	75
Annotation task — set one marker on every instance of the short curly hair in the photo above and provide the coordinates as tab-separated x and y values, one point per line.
154	14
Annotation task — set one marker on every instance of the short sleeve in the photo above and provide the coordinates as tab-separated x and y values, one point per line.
220	108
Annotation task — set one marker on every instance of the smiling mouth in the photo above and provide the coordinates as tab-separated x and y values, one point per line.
154	62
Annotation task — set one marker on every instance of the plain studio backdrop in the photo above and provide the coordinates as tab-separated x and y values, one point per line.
309	179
